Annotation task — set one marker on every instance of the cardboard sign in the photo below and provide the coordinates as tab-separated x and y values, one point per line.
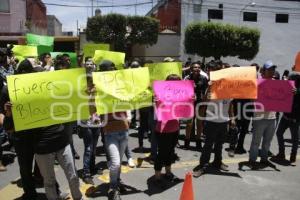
122	90
234	83
48	98
160	71
89	49
297	62
174	99
275	95
118	58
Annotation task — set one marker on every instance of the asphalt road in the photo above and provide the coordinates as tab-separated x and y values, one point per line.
266	184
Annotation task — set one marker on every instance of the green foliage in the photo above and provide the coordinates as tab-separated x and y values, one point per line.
113	29
208	39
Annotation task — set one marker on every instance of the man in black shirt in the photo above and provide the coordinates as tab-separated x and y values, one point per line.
200	86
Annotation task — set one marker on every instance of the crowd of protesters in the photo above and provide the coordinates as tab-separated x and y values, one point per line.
44	147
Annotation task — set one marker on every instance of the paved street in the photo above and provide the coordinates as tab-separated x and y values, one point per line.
266	184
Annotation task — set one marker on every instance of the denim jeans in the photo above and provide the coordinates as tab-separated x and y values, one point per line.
90	140
294	127
264	130
66	161
115	143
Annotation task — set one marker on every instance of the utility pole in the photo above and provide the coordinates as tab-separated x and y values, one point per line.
135	7
92	8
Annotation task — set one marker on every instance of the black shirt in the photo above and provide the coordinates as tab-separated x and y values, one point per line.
46	139
200	85
295	114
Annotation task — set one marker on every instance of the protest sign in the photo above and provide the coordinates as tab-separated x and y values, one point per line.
275	95
25	51
122	90
174	99
89	49
234	83
73	57
44	43
160	71
33	39
47	98
297	63
118	58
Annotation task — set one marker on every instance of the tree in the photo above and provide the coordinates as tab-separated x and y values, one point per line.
208	39
122	31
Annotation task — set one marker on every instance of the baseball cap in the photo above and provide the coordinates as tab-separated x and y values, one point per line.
268	64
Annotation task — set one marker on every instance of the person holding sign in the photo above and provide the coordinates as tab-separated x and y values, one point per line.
167	135
89	130
32	141
263	126
115	127
292	121
217	115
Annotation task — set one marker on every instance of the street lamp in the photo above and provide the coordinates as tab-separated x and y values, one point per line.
251	4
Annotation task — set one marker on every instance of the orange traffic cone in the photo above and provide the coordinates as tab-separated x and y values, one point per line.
187	192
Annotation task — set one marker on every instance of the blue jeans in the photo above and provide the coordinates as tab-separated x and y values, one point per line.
90	140
115	143
264	130
66	161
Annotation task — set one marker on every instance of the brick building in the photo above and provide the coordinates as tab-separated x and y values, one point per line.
168	12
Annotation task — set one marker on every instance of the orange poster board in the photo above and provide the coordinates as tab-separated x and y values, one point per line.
297	62
234	83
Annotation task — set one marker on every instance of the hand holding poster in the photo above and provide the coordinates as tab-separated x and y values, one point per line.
43	99
160	71
118	58
297	63
122	90
275	95
89	49
174	99
234	83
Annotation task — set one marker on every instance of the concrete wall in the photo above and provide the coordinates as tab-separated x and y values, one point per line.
279	41
14	21
54	26
167	46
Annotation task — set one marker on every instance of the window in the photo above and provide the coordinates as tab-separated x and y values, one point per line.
282	18
197	8
4	6
215	14
250	16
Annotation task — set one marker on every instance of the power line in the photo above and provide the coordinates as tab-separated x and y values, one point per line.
104	6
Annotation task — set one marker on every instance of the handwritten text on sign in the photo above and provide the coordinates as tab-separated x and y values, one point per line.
47	98
275	95
174	99
122	90
236	83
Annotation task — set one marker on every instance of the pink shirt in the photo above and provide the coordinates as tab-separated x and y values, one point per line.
168	126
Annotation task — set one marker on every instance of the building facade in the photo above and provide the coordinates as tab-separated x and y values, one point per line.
278	22
12	17
36	17
54	26
168	12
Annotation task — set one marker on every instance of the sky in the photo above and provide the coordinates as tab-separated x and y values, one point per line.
68	16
